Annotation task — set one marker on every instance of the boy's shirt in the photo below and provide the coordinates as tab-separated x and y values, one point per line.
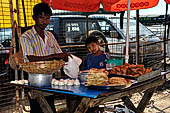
98	62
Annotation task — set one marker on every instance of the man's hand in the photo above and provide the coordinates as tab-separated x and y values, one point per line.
63	56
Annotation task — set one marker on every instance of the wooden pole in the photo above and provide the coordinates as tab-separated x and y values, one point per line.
87	28
23	7
165	37
137	37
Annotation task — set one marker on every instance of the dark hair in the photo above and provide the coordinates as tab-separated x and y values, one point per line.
42	7
91	39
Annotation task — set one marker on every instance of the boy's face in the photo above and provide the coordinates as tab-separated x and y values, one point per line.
93	47
42	20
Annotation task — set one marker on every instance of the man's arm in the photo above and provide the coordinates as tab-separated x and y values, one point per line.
58	56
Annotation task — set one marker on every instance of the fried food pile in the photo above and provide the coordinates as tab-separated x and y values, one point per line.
99	77
130	70
113	81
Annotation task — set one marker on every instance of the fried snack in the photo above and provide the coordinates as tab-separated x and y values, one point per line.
148	70
132	66
136	75
126	64
117	81
97	77
140	66
134	70
124	70
130	69
117	69
113	71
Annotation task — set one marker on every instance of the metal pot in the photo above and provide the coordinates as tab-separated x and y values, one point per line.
83	76
40	80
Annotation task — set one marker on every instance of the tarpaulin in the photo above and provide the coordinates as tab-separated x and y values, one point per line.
93	5
167	1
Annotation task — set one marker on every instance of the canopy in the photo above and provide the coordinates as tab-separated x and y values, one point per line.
167	1
72	5
93	5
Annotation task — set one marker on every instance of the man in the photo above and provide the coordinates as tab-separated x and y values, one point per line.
40	45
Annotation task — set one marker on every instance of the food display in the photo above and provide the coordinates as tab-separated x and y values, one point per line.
117	81
99	77
67	82
119	75
21	82
130	70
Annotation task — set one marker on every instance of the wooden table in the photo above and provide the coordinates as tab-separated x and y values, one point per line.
148	87
92	98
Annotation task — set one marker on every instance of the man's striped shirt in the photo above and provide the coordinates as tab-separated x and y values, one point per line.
32	44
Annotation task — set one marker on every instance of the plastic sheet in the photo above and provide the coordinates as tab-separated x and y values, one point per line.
71	67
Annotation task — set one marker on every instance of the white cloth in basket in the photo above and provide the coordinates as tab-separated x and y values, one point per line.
72	66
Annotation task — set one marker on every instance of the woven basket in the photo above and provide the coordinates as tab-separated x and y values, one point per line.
42	67
15	58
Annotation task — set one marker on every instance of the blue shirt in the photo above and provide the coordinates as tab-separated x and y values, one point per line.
92	61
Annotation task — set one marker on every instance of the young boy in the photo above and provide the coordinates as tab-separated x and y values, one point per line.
96	58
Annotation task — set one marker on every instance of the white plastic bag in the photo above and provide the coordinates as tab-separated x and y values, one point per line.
71	68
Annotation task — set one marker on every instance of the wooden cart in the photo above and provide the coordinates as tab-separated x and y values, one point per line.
93	98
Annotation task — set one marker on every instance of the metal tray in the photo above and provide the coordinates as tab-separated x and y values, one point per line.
123	76
142	78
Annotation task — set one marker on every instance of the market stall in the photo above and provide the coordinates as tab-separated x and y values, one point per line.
93	97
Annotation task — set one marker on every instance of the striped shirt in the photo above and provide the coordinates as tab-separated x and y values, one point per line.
32	44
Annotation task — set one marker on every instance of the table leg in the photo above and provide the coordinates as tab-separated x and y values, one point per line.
144	101
17	99
83	106
129	104
42	101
